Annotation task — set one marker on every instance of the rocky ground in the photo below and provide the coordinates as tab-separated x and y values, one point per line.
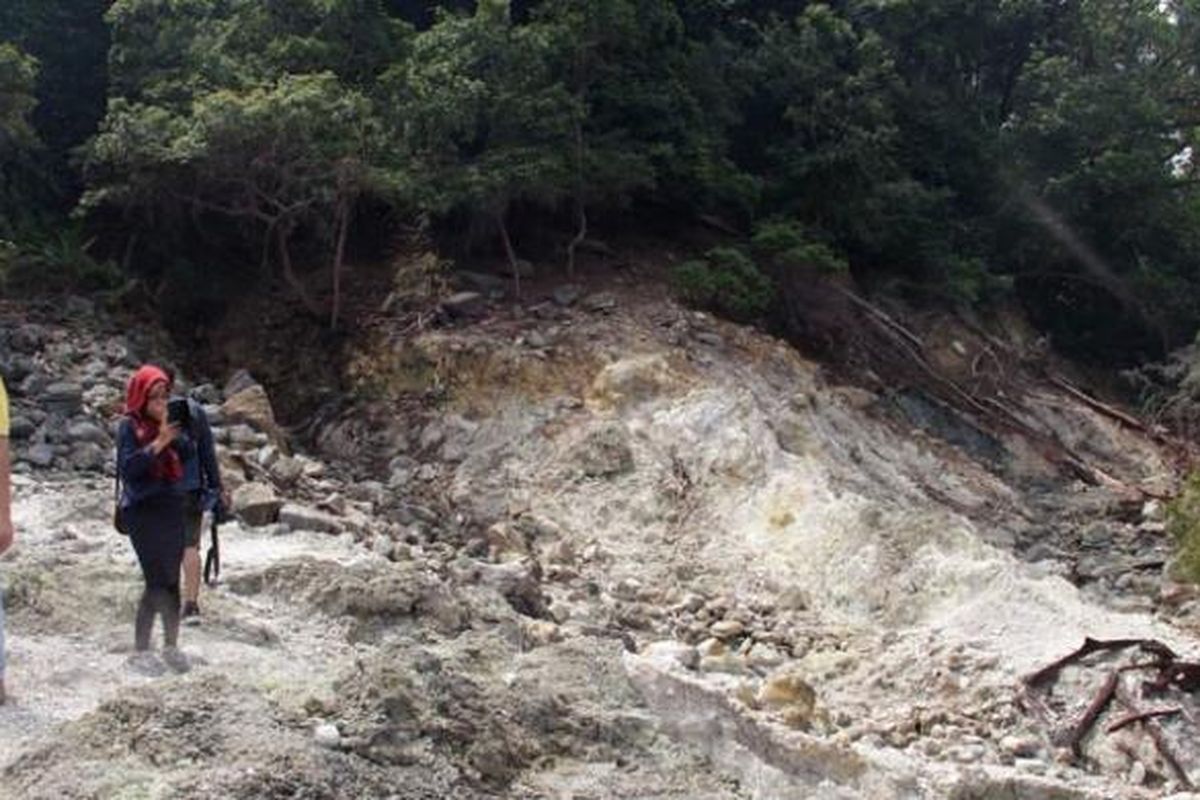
593	546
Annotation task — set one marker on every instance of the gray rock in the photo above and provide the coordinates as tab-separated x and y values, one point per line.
21	428
673	653
206	394
79	307
40	455
16	369
482	282
327	735
64	398
90	457
567	295
304	518
88	432
32	386
216	417
606	452
600	302
246	437
711	339
465	304
239	382
257	504
432	436
287	471
27	339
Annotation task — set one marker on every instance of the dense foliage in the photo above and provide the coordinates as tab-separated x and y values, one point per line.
956	150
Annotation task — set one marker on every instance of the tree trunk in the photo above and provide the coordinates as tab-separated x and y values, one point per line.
508	250
343	227
580	209
289	274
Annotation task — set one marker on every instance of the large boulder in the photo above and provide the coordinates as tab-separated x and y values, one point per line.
257	504
252	406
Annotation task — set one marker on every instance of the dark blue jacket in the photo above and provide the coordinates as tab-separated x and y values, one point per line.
133	464
199	454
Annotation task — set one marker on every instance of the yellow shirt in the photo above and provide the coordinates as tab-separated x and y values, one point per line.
3	410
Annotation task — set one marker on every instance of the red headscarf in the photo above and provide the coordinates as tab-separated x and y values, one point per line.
167	466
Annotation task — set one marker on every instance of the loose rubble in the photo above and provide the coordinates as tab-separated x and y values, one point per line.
591	547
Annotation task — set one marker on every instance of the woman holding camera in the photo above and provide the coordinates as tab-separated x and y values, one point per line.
151	507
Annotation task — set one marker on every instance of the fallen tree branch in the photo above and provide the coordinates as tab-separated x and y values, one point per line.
1102	408
1078	732
1165	749
1141	716
1049	673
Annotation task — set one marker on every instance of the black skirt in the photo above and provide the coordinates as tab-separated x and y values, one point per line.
156	529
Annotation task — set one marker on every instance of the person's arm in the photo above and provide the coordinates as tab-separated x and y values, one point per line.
135	460
6	526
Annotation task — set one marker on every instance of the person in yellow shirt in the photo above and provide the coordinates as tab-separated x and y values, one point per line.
6	526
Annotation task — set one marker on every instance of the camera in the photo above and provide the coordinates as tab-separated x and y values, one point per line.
179	412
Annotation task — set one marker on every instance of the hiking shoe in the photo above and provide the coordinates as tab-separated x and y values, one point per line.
143	662
174	658
191	613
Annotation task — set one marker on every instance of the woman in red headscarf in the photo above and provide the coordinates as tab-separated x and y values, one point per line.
151	508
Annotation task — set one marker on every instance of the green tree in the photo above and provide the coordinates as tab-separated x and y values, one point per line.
257	112
1106	218
484	120
18	73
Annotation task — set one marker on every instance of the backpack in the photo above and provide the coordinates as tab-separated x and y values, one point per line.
118	520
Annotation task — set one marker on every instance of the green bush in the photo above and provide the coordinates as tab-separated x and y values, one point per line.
1183	523
792	245
54	259
727	282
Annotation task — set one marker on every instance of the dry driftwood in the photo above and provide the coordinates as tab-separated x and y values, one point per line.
1046	676
1141	716
1165	748
1075	735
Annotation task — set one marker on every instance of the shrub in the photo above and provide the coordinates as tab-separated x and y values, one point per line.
790	244
727	282
1183	523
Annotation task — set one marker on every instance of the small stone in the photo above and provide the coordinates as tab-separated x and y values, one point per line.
628	588
788	693
728	664
87	432
561	553
764	655
727	629
326	735
674	652
303	518
1020	746
21	428
465	304
712	647
601	302
1137	773
567	295
40	455
539	633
